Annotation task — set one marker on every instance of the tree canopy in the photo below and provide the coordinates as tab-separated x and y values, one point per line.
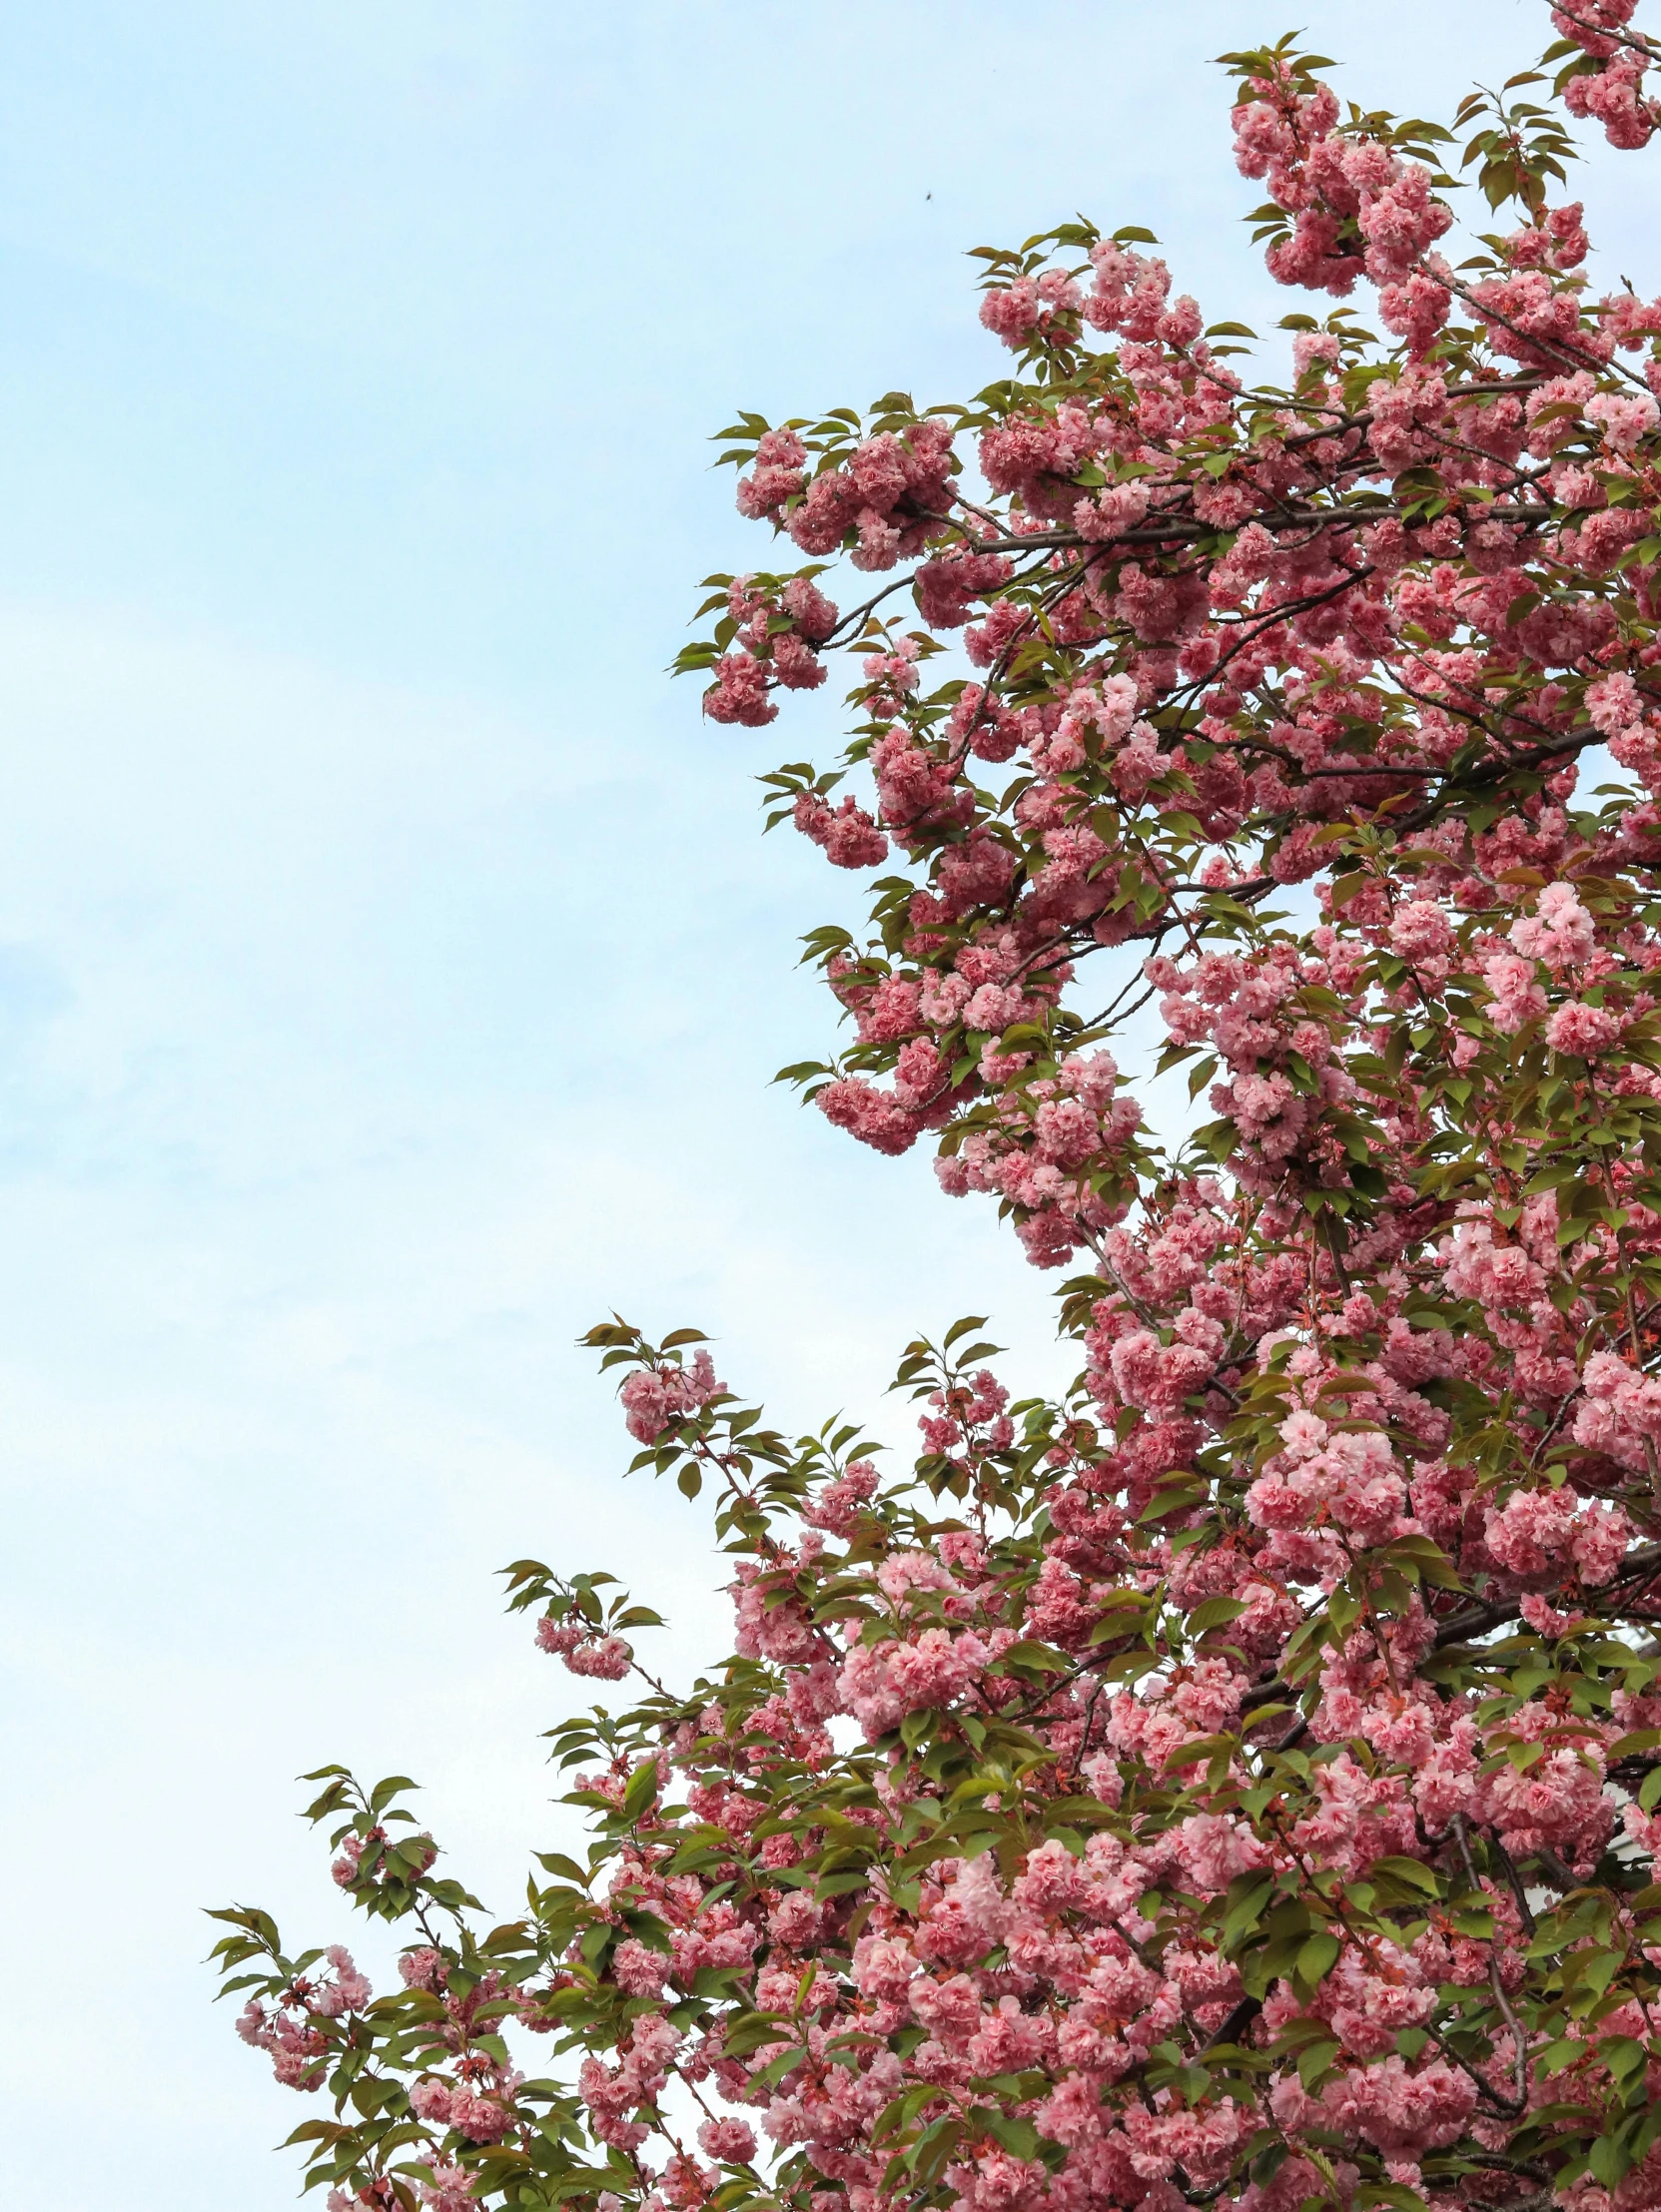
1238	1782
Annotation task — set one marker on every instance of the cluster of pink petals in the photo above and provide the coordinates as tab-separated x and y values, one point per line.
654	1399
605	1658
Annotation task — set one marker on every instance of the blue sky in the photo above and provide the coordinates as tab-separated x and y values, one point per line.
390	971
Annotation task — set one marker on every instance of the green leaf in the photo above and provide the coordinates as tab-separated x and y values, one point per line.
1018	2136
1245	1909
1039	1657
1313	2061
1316	1959
1412	1871
642	1791
1213	1611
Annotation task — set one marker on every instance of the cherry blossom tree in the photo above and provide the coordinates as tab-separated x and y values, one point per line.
1237	1784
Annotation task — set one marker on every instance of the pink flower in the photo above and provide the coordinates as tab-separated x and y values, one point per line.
1158	1377
1613	705
1535	1529
1215	1848
1583	1029
349	1990
1516	998
429	2101
450	2190
1624	421
654	1397
424	1969
1112	511
729	2143
739	692
605	1658
480	2120
1419	931
1560	931
1620	1413
641	1971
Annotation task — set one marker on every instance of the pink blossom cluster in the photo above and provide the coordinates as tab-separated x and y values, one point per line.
481	2119
606	1658
1611	92
774	638
884	493
289	2030
656	1398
